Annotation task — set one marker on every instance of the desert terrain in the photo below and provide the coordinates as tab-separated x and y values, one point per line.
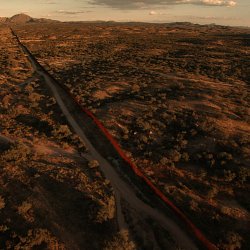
176	99
50	196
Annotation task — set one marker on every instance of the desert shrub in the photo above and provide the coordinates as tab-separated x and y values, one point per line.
182	143
62	132
102	211
212	192
220	161
177	86
79	144
35	98
203	173
209	158
36	239
233	241
135	88
164	161
174	155
120	242
24	208
185	157
2	202
193	205
3	228
93	164
229	175
144	139
6	101
29	88
225	156
18	153
243	174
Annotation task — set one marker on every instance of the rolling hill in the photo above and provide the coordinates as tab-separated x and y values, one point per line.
23	19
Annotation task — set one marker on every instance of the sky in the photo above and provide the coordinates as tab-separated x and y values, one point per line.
225	12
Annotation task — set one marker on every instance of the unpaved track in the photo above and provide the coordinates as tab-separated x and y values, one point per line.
123	190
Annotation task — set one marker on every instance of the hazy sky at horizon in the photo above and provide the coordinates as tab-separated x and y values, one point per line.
226	12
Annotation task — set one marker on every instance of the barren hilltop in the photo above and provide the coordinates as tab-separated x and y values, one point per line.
23	18
20	18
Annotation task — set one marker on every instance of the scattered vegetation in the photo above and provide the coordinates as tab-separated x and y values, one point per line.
175	97
47	189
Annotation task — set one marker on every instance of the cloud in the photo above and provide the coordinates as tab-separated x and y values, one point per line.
48	2
216	18
228	3
152	12
145	4
67	12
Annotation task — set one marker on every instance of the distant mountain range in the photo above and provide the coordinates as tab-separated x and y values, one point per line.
23	18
